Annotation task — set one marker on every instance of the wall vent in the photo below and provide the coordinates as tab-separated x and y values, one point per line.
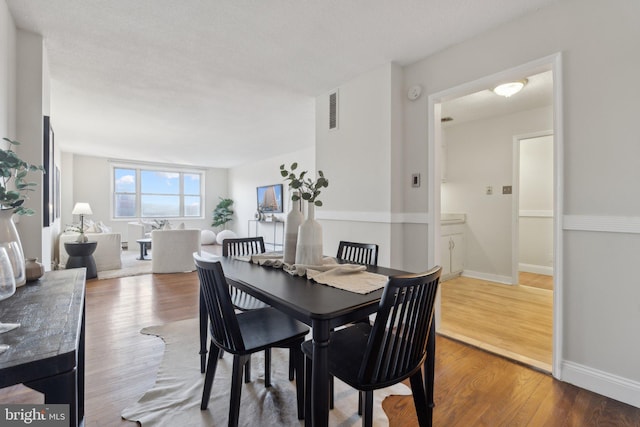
333	110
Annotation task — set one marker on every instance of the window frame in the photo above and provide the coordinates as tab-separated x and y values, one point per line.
138	168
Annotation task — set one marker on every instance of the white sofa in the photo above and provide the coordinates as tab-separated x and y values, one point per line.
172	250
106	255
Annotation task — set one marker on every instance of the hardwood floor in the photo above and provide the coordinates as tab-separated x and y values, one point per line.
512	321
472	387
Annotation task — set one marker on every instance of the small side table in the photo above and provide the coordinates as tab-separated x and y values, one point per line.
81	255
144	245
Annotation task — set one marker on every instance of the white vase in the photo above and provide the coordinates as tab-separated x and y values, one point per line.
309	248
293	221
10	240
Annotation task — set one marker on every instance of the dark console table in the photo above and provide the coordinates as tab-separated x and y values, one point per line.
46	352
81	255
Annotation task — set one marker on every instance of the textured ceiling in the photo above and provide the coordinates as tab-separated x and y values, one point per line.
221	83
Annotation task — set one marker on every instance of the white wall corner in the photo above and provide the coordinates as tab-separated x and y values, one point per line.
488	277
606	384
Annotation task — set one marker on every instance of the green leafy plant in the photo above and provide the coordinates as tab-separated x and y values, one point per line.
308	189
13	168
222	213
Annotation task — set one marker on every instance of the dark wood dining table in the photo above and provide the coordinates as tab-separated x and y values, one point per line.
320	306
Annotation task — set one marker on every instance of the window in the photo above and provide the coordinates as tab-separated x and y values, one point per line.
156	193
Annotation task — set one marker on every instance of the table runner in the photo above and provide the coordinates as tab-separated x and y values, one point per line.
348	277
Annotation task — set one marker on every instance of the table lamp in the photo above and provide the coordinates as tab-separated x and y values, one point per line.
82	209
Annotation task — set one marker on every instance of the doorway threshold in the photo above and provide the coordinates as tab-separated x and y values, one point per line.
518	358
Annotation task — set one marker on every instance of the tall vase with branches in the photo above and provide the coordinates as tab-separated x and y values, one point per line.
14	190
309	244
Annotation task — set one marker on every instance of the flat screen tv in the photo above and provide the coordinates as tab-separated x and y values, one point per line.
270	198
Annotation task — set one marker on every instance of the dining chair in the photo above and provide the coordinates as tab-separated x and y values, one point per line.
240	300
358	253
370	357
243	334
243	247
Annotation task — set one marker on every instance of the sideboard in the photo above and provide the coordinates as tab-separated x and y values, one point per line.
46	352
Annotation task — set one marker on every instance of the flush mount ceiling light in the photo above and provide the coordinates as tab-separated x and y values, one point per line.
511	88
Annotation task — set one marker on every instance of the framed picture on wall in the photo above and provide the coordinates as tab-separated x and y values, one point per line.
48	179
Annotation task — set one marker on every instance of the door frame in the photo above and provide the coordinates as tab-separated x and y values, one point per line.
515	201
554	63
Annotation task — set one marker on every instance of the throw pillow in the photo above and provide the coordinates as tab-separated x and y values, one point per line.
207	237
93	228
181	226
225	234
103	228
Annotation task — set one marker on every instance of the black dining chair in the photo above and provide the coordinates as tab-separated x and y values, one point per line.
355	253
243	334
243	247
358	253
370	357
241	300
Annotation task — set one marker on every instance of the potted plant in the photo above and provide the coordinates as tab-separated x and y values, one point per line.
14	189
309	189
14	168
309	240
222	213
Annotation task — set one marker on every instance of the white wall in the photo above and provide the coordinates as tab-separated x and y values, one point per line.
90	179
536	205
599	42
480	154
361	161
243	181
24	99
7	74
32	104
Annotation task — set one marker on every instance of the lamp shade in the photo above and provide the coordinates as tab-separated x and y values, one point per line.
82	209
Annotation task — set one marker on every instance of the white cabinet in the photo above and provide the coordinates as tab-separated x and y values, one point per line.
452	250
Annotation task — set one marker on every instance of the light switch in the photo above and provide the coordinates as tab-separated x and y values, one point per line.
489	190
415	180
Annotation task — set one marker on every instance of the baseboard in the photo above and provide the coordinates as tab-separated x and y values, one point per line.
537	269
488	277
604	383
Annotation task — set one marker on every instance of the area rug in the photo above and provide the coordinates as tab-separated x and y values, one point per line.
174	400
131	266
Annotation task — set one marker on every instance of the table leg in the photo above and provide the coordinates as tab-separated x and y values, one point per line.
320	375
61	388
142	246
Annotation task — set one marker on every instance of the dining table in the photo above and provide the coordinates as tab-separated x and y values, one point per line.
320	306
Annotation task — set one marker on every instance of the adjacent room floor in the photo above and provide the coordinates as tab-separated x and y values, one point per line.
512	321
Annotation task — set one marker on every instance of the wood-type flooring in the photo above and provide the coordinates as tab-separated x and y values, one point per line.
472	388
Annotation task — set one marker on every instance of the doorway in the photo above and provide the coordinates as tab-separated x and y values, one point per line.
532	216
438	151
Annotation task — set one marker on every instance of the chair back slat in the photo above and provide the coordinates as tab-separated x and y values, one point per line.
398	340
225	330
243	246
358	253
